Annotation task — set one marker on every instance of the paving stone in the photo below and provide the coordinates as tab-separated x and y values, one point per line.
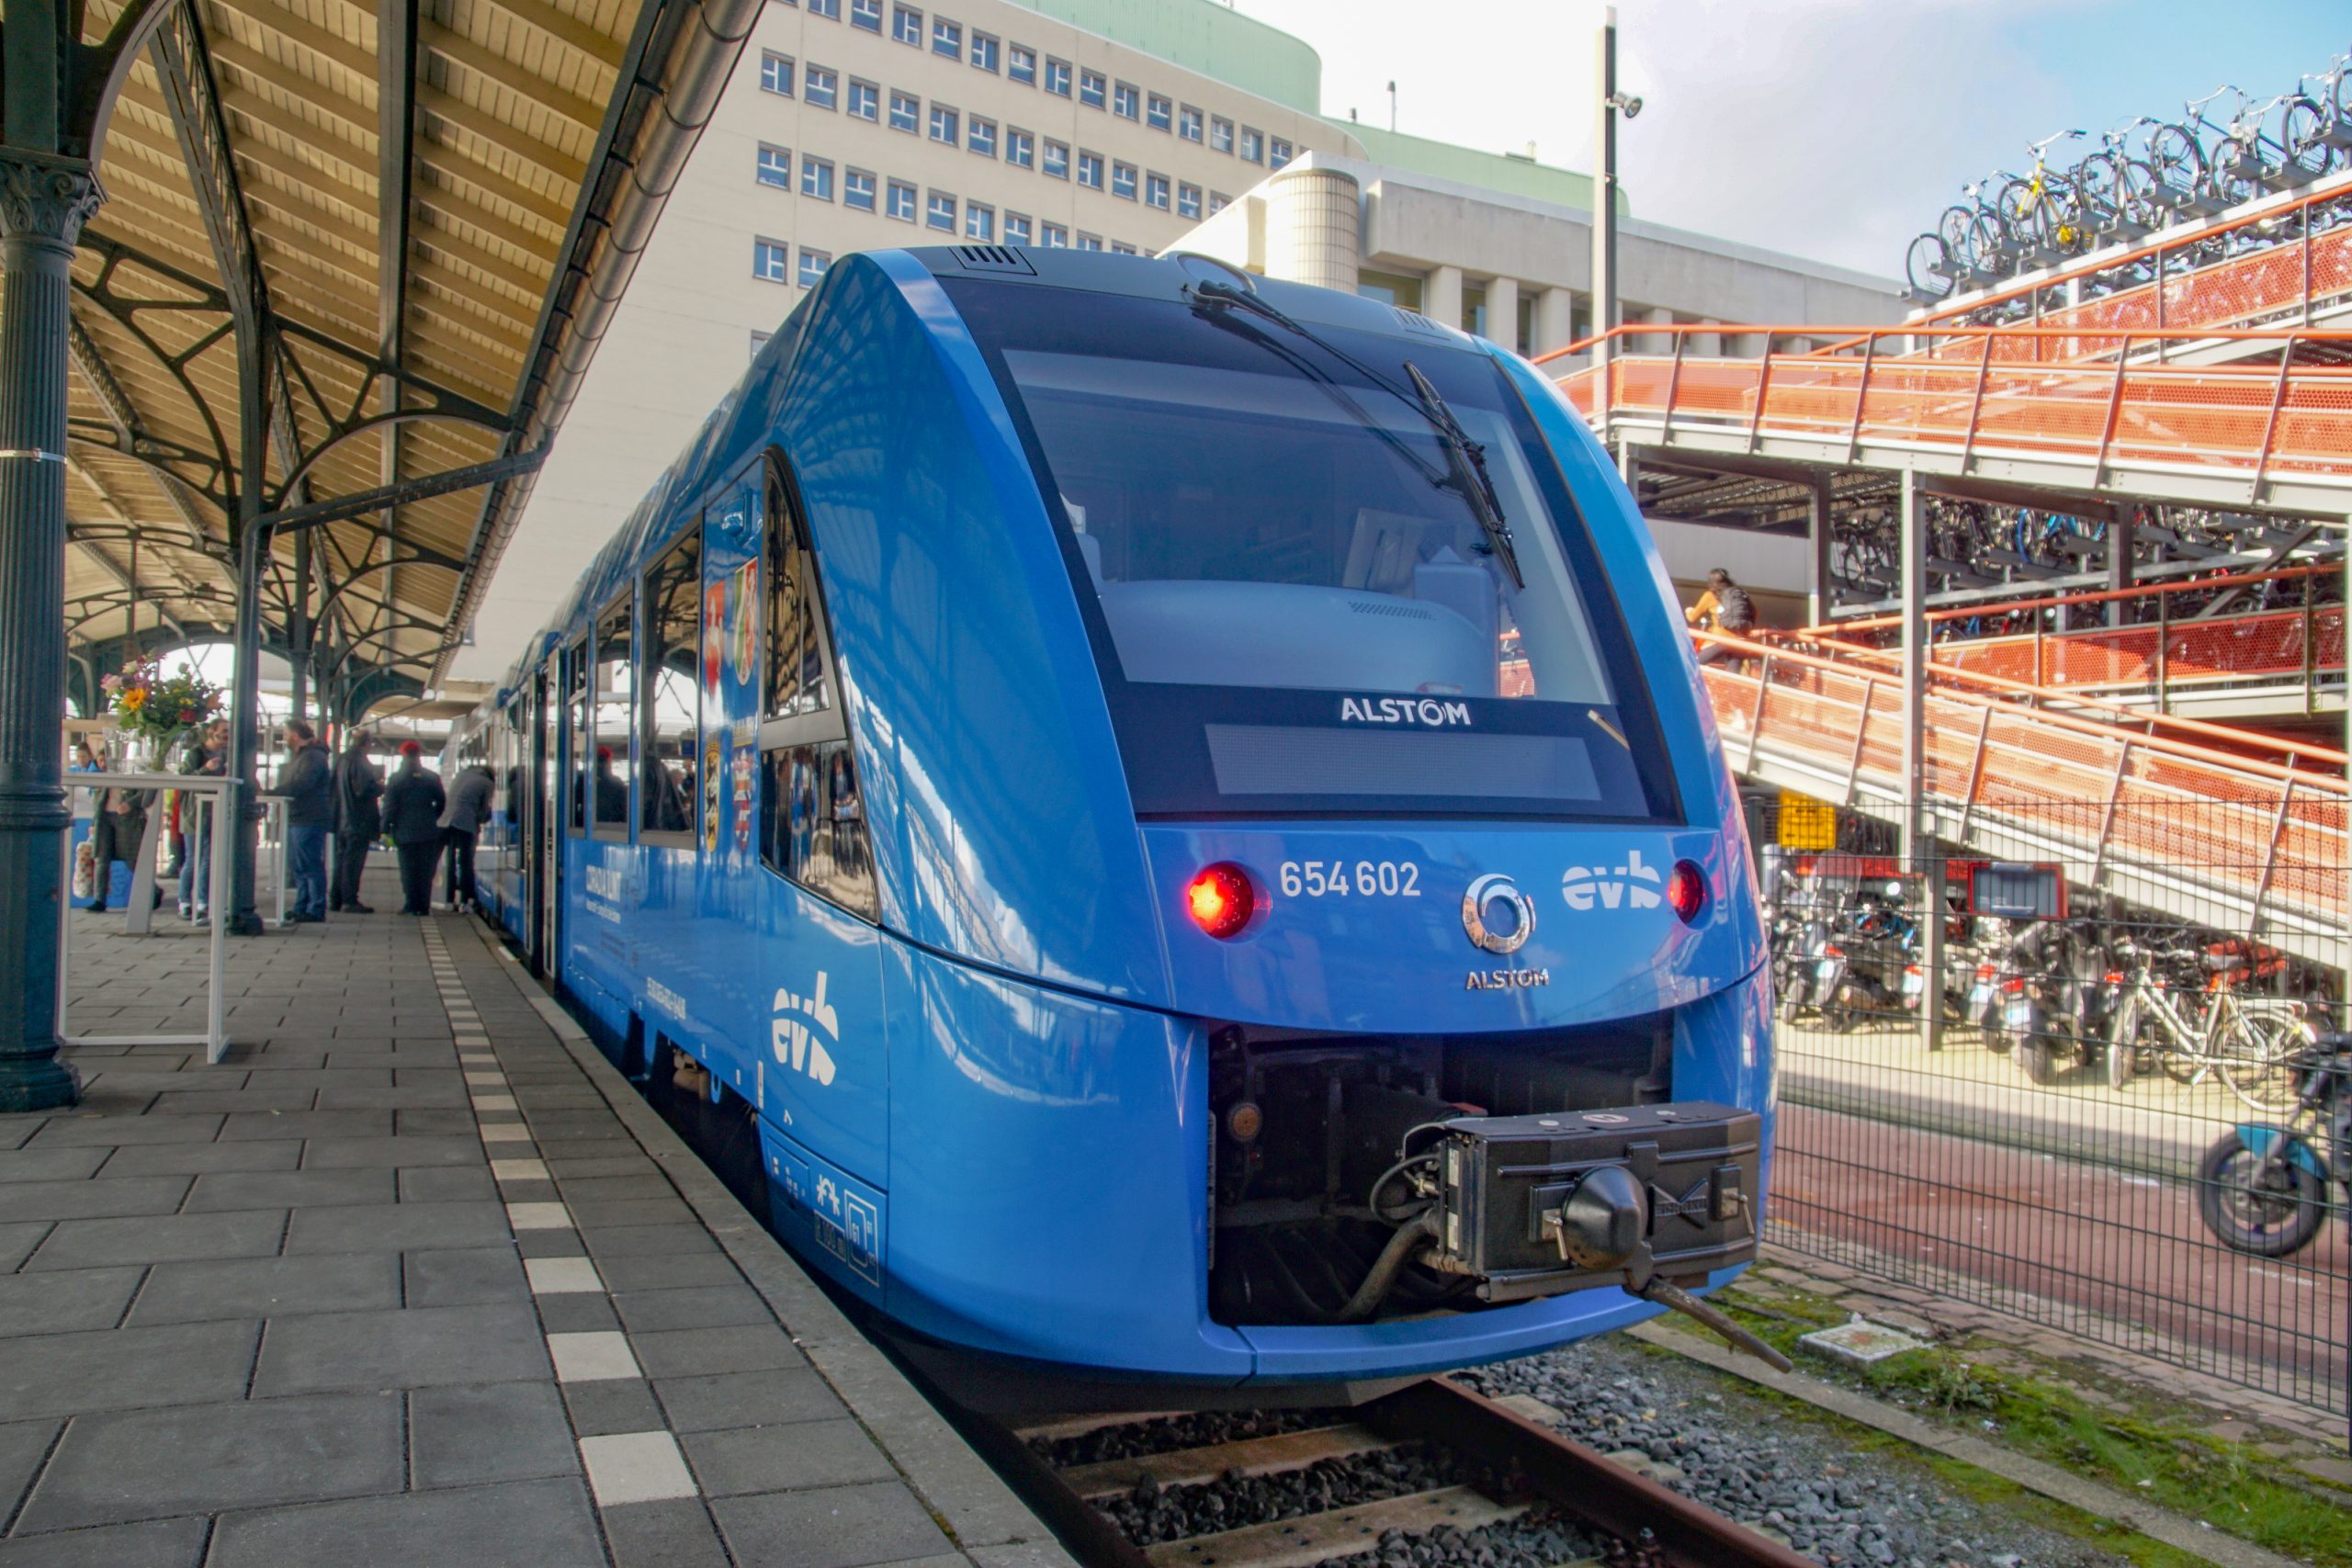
674	1534
403	1152
592	1357
268	1287
122	1131
672	1272
449	1184
708	1306
521	1524
777	1397
648	1241
772	1459
137	1464
65	1162
290	1190
635	1467
88	1244
613	1405
464	1277
396	1228
446	1121
319	1124
124	1368
575	1167
198	1160
156	1544
270	1097
23	1446
652	1211
557	1276
577	1313
463	1436
99	1198
551	1243
65	1302
405	1348
685	1352
835	1526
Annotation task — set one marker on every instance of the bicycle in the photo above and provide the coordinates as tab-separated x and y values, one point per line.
2245	1043
2117	186
2250	161
2177	153
1974	236
2040	207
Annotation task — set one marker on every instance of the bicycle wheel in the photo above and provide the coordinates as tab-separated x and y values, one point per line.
2177	161
2255	1065
2140	193
2234	174
2024	214
1988	243
1924	265
2303	131
2099	189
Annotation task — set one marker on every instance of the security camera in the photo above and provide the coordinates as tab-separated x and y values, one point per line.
1633	106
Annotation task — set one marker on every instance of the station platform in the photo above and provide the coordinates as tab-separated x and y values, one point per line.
415	1277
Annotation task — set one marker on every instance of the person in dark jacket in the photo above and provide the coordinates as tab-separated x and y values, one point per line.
307	783
116	834
469	809
359	822
413	802
210	758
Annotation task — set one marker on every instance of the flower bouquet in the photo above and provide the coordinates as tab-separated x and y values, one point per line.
151	708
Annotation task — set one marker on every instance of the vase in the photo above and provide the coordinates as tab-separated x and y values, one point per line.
134	751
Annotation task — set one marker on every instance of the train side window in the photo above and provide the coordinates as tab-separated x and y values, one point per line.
812	816
575	696
673	709
607	786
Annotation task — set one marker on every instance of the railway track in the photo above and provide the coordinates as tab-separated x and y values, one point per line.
1400	1479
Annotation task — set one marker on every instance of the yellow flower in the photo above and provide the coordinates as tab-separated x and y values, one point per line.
133	698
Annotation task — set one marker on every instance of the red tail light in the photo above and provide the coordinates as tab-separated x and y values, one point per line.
1221	899
1686	890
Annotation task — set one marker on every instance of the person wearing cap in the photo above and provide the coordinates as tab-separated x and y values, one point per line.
413	802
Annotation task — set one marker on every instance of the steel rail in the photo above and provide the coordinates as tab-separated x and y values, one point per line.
1653	1525
2105	596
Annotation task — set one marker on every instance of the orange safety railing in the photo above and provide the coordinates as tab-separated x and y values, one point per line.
2250	420
2269	839
2259	647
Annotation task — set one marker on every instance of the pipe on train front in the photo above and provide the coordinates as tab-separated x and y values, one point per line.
1311	937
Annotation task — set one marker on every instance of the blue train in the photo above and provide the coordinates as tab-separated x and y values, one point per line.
1176	802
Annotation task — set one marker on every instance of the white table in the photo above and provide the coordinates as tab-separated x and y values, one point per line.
214	794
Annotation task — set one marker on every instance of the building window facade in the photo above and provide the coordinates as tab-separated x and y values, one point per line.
1020	148
1159	111
865	100
1254	145
984	51
769	259
1126	100
1220	134
946	124
905	112
776	166
820	88
1092	88
812	266
1057	76
1016	228
980	137
1188	201
828	9
980	222
1155	191
1057	164
1123	181
1020	64
906	24
776	73
1218	202
1278	153
940	213
1188	123
857	189
1054	236
902	201
947	38
867	14
1090	170
1089	241
817	178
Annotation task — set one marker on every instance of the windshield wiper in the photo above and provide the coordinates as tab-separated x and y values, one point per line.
1470	477
1465	460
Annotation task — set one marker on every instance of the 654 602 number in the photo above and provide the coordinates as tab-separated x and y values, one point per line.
1341	879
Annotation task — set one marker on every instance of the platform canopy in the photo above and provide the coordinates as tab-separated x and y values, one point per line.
351	260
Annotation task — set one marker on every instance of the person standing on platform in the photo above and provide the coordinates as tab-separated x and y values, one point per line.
210	759
469	809
358	821
116	831
413	802
307	783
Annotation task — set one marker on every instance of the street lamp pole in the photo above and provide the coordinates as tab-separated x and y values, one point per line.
1604	202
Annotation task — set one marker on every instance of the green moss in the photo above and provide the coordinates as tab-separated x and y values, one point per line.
2141	1448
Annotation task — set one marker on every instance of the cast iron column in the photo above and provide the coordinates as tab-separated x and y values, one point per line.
44	201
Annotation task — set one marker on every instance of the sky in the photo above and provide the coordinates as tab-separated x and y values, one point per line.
1834	129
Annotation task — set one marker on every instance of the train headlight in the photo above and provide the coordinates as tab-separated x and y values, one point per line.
1686	890
1221	900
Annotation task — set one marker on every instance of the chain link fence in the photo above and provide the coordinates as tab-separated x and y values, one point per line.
2102	1110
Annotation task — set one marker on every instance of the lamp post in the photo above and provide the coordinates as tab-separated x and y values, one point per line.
1609	103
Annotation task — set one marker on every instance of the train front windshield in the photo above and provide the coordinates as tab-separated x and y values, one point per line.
1300	602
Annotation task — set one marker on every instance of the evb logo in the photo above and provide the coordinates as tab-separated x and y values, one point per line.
802	1029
